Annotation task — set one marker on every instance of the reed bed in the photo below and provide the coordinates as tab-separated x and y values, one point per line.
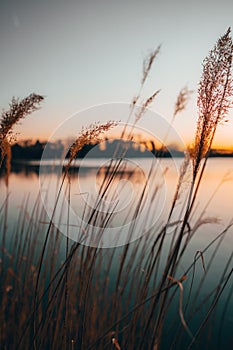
67	295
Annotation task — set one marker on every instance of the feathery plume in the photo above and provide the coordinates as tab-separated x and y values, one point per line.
214	97
146	105
182	100
148	62
181	180
18	110
89	135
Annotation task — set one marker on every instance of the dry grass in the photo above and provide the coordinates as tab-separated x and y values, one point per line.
214	97
19	109
91	134
60	294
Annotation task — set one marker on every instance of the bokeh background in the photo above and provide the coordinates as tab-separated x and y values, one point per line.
84	53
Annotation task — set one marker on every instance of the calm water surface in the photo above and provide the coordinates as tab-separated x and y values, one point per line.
215	200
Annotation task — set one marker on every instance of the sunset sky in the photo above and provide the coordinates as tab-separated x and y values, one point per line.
85	53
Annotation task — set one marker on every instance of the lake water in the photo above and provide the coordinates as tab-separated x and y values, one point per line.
216	188
214	203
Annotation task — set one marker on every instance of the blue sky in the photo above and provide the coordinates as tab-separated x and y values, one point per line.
83	53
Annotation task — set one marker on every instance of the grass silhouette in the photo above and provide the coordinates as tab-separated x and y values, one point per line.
66	295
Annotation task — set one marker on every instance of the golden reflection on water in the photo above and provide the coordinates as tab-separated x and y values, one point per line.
217	183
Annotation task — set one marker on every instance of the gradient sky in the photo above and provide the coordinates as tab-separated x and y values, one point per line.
83	53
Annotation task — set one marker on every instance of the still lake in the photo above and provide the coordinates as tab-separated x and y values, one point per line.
29	179
214	201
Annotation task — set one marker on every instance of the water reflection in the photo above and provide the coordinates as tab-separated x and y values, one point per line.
25	180
218	179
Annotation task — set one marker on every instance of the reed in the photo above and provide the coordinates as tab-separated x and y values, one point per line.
66	295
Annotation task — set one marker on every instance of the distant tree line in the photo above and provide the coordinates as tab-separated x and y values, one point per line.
27	150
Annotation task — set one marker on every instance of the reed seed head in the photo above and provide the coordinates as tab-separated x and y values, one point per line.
182	100
148	62
18	110
91	134
214	97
